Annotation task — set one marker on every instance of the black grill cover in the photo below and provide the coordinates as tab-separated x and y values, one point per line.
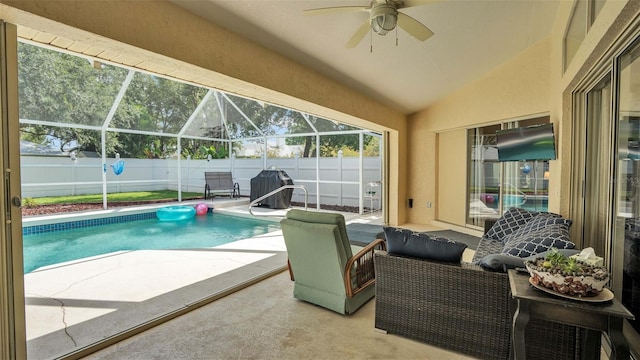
267	181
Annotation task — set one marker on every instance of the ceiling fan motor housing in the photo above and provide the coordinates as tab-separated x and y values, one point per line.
383	18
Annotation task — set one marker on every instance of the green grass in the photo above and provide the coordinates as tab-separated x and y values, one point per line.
97	198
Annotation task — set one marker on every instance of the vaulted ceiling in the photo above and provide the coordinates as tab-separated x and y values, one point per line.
471	37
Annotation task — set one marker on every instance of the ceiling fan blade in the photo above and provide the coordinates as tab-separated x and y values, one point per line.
412	3
332	10
358	35
414	27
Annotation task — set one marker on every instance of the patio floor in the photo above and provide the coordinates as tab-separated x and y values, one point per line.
264	321
72	305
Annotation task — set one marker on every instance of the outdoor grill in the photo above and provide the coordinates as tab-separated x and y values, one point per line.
267	181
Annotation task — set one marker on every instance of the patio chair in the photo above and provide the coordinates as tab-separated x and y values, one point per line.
322	263
217	182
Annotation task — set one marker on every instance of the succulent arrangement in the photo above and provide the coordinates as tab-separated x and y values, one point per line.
567	275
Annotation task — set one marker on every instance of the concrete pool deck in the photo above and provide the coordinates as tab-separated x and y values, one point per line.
72	305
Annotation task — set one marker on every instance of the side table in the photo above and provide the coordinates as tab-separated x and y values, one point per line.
532	303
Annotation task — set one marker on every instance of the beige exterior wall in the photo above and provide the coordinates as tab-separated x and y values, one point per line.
451	176
518	88
534	82
182	44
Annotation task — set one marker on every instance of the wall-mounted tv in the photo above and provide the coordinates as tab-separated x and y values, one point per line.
526	143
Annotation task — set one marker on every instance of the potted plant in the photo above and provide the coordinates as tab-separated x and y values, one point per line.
566	275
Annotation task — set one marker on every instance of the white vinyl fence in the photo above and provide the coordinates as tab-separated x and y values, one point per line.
337	180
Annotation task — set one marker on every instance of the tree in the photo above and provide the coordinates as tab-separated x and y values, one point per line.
70	90
64	89
372	146
272	120
329	144
199	149
154	104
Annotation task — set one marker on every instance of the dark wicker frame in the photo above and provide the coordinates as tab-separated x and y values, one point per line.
461	307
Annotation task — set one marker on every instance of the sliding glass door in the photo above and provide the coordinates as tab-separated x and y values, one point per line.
597	187
606	177
626	237
484	175
494	186
12	316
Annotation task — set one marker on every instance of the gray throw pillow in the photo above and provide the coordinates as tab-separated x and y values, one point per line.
503	262
538	222
509	222
395	234
537	241
422	245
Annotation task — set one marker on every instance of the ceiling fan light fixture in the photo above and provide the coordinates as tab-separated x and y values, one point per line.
383	18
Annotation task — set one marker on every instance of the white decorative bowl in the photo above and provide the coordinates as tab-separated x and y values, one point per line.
588	282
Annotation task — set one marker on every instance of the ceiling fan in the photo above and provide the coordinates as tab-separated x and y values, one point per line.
383	17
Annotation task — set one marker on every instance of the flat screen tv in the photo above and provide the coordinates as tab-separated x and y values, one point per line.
526	143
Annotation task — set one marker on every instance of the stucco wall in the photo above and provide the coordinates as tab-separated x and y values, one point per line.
452	176
518	88
534	82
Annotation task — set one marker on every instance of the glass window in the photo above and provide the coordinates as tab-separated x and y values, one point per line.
583	16
595	6
627	243
497	186
525	185
597	165
484	175
576	31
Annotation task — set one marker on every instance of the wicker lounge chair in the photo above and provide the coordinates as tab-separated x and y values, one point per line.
326	269
461	307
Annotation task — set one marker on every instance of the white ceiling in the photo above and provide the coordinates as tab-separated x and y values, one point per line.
471	38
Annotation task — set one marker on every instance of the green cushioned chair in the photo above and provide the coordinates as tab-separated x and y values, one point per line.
322	263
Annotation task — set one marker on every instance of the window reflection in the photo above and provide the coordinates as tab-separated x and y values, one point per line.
496	186
484	175
629	183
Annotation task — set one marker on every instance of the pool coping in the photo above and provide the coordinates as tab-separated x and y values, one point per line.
113	215
64	321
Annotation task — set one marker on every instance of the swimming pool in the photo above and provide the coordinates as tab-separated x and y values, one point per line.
529	202
213	229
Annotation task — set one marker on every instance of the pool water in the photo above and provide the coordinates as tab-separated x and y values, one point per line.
209	230
531	203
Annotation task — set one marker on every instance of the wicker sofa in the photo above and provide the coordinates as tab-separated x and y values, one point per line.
461	307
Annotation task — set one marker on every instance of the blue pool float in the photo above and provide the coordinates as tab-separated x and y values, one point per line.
170	213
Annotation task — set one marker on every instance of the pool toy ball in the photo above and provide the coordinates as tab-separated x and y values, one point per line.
201	209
